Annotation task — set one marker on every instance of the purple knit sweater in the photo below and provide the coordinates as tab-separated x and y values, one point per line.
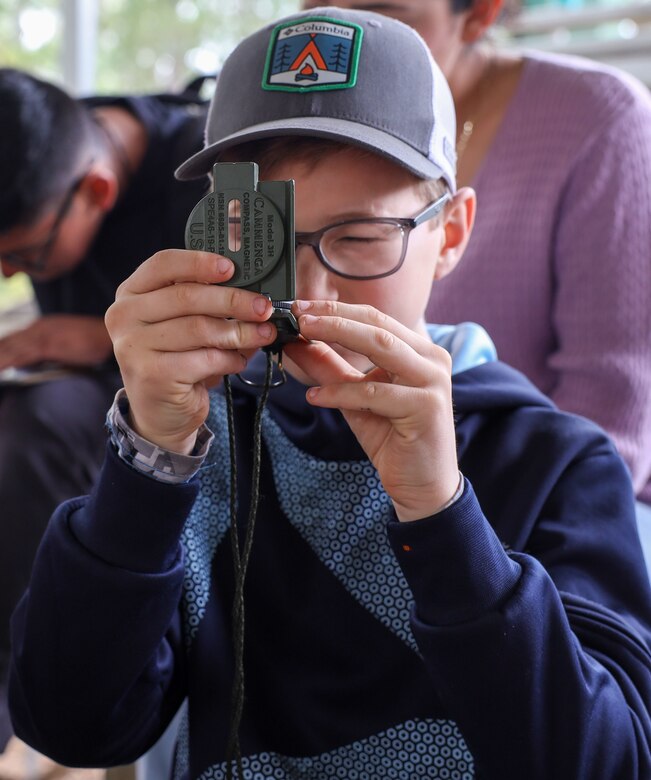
558	269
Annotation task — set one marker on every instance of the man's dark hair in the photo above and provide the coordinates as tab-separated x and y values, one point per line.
45	133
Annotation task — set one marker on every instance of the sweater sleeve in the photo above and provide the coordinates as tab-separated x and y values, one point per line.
543	682
602	271
120	551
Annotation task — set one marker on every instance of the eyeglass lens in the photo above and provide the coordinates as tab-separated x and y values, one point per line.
363	248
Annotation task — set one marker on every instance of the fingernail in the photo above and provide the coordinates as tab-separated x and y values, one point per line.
312	393
308	319
260	305
265	330
303	305
223	265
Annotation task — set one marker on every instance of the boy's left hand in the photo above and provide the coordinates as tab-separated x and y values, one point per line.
400	410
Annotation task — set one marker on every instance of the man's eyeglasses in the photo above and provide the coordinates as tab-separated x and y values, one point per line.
34	258
367	248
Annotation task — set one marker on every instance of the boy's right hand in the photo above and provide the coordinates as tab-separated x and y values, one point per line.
176	332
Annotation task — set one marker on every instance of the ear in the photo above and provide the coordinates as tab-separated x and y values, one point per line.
459	219
100	188
479	17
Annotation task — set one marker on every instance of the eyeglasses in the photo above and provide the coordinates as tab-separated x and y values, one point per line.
367	248
34	257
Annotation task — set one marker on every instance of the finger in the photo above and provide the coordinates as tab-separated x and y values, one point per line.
195	366
171	266
383	348
321	362
364	313
393	402
11	360
183	299
19	353
194	332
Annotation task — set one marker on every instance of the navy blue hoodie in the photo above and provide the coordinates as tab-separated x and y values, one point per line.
505	637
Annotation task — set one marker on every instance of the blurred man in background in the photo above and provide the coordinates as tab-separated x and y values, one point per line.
86	192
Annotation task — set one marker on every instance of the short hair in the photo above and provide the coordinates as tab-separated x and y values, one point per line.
309	150
45	134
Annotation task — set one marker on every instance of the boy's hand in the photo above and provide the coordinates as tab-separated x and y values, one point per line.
175	333
62	338
400	410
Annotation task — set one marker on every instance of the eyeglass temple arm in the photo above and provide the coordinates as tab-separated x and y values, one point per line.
432	210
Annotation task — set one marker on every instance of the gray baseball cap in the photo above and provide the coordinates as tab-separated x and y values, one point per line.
353	76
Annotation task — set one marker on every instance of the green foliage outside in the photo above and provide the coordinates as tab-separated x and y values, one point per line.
39	53
166	41
142	45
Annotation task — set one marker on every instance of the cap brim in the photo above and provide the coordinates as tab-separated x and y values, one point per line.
320	127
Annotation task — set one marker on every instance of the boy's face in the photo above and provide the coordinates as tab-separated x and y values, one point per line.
349	185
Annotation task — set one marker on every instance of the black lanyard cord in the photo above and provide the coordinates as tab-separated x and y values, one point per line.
241	562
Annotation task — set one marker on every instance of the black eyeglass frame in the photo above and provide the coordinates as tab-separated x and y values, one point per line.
43	248
406	224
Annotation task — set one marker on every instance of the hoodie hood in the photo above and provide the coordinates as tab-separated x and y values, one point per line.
494	386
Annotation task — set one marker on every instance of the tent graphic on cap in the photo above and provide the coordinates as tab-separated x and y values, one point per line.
308	60
318	53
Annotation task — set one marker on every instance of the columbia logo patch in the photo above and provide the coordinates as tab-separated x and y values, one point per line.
318	53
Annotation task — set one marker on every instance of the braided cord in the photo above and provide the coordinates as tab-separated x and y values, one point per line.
241	562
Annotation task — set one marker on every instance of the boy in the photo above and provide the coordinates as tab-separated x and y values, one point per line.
500	630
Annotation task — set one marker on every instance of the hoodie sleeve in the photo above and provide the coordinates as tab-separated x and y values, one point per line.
123	581
541	656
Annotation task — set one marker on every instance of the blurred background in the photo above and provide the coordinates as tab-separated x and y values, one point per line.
149	45
135	46
124	46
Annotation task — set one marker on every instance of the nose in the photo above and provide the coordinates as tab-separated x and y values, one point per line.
7	270
313	280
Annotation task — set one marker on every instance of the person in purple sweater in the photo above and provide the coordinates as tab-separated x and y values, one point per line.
558	150
443	574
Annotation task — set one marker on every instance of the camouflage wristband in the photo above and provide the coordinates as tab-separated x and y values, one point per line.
147	458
